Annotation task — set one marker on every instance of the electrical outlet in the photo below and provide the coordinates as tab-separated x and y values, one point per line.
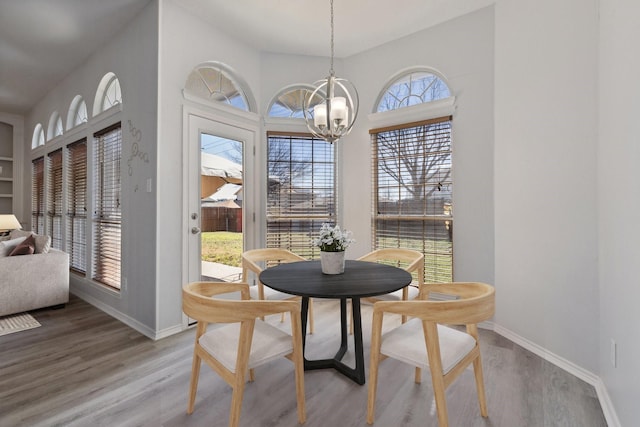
614	353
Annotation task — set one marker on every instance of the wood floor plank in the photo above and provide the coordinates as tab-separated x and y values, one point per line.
84	368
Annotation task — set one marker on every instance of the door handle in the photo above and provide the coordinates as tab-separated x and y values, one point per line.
195	230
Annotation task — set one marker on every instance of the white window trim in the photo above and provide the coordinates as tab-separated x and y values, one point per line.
415	113
220	107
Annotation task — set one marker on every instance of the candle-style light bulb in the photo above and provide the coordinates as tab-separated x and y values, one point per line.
320	116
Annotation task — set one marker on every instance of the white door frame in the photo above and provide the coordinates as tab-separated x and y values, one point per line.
240	126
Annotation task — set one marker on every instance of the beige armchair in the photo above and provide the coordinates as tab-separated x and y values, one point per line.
244	343
412	261
251	260
424	341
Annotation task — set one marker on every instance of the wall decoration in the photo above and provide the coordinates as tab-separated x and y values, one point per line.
136	153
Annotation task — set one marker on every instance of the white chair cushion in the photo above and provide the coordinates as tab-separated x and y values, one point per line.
397	295
268	293
406	343
268	343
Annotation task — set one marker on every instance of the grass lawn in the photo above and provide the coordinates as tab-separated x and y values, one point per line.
226	248
222	247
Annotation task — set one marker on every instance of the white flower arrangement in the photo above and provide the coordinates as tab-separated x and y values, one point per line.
333	239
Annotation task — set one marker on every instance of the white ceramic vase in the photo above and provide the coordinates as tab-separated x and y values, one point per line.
332	262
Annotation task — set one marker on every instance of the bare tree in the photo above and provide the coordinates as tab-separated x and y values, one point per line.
283	169
418	158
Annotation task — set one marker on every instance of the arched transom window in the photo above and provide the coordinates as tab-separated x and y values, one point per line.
217	83
290	102
412	163
77	112
38	136
412	88
55	126
108	94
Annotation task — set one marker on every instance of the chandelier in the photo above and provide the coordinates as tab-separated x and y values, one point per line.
334	102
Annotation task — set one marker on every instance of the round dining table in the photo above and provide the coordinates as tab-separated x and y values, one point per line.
360	279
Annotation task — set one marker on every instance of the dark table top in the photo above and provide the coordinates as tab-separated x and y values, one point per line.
360	279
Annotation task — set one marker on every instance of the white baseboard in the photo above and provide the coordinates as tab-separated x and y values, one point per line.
562	363
607	405
129	321
168	331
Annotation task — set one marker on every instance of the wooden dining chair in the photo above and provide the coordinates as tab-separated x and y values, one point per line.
424	341
252	260
244	342
412	261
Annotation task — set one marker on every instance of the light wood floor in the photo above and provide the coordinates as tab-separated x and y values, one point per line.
84	368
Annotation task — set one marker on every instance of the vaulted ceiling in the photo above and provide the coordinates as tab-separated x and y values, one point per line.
41	41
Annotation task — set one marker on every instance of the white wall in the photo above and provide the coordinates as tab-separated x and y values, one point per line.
185	42
531	213
132	56
462	50
468	66
619	203
545	175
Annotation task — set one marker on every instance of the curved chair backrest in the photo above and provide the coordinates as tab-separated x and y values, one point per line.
252	257
197	303
413	259
475	303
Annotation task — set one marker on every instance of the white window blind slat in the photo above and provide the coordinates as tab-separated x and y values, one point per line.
37	195
76	217
107	215
412	193
54	199
301	191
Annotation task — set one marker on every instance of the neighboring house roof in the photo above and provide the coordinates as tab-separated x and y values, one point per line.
212	165
226	192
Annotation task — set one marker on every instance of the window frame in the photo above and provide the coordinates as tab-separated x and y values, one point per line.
424	241
107	207
37	195
308	223
54	197
77	182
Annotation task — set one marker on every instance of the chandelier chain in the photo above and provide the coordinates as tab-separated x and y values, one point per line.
331	68
330	110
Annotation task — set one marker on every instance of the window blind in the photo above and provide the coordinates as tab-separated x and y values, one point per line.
413	192
37	195
301	193
54	198
76	218
107	217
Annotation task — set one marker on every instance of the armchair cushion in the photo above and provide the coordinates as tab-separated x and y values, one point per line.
406	343
413	293
269	293
268	343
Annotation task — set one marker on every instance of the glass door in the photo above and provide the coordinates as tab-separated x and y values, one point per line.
219	195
